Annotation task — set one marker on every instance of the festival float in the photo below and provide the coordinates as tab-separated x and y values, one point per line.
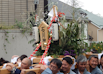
47	33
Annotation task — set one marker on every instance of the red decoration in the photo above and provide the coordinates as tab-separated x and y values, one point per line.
60	14
46	50
53	19
35	51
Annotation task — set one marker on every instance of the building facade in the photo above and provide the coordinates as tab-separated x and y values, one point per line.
12	10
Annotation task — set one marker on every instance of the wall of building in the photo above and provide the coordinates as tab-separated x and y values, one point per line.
15	44
92	31
11	10
100	35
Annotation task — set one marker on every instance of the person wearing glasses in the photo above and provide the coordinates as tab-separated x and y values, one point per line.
54	67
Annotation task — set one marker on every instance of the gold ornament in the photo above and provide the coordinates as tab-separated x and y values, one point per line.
50	34
37	45
45	44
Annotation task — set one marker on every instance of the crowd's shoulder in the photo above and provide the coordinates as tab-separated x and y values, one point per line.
67	65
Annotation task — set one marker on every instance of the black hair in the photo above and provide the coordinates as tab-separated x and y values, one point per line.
92	56
57	62
31	72
23	56
68	60
102	56
2	61
6	62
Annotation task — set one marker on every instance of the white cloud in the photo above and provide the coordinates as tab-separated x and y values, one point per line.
94	6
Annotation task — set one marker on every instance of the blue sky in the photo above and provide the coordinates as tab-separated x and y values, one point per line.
94	6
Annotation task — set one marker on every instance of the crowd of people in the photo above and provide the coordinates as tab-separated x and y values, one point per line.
92	65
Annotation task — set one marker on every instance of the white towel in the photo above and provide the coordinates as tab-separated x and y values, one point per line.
14	60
